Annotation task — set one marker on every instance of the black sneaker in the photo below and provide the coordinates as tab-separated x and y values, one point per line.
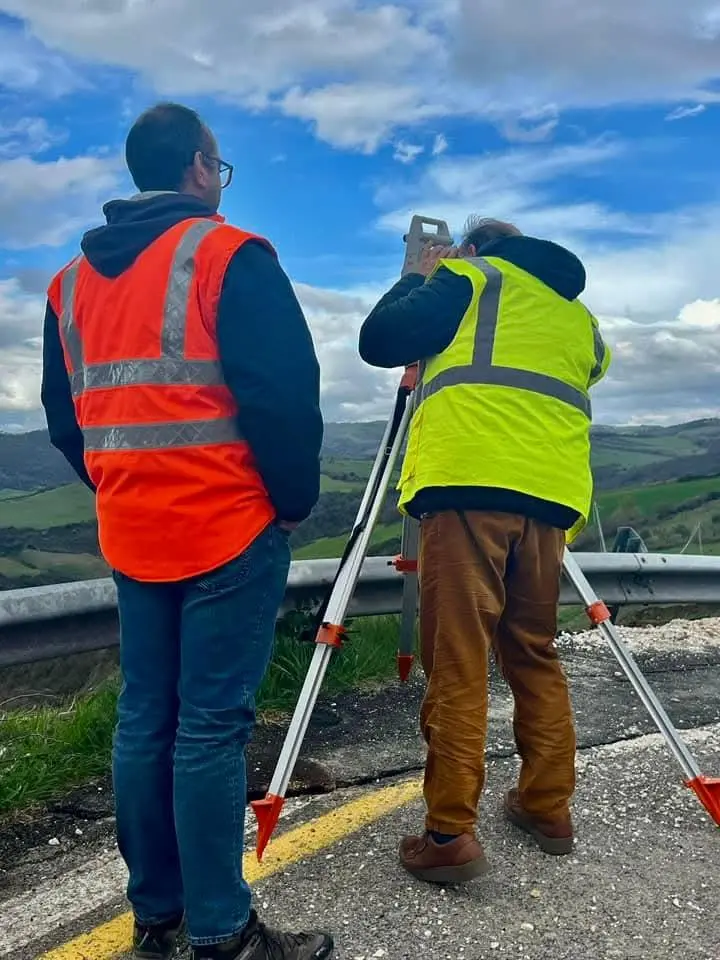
258	942
158	942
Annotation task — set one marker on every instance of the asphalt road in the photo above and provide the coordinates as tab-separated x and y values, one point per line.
642	883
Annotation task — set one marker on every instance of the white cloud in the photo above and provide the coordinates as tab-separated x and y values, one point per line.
440	145
584	54
48	203
663	371
512	185
21	318
350	389
360	72
28	135
27	65
680	113
359	115
407	152
531	126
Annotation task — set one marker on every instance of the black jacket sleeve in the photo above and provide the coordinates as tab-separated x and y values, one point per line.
415	319
271	368
56	398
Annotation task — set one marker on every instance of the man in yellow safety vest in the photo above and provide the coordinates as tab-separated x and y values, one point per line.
497	471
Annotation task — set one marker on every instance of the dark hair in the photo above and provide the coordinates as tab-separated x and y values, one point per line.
479	231
161	145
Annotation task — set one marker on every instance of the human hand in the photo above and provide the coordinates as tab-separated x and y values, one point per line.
430	255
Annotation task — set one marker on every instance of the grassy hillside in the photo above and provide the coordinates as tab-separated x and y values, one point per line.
72	503
662	480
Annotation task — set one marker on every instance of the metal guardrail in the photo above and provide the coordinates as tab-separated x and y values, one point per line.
42	623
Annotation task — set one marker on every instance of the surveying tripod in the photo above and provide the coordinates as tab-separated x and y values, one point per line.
329	620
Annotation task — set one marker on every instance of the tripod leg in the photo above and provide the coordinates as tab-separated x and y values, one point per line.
329	635
706	789
406	564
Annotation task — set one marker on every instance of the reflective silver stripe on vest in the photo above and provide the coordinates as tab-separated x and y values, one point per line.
147	436
131	373
73	344
481	369
177	296
171	367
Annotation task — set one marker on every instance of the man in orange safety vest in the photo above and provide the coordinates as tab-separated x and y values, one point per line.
180	381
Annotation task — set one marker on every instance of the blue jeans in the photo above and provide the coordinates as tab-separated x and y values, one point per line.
193	655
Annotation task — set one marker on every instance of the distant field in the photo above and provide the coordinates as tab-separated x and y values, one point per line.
333	485
338	468
72	503
13	494
80	566
649	499
332	547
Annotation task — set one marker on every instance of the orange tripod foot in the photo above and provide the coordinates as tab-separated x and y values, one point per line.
267	812
404	664
707	790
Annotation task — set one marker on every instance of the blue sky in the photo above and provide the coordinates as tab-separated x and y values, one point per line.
595	126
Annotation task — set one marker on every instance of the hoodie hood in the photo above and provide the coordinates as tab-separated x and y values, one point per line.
132	225
552	264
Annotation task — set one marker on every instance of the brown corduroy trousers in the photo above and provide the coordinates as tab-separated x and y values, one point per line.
492	580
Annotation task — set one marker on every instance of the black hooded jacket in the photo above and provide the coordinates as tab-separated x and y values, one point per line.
265	348
416	320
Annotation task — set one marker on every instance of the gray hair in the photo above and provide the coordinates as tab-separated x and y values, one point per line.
479	231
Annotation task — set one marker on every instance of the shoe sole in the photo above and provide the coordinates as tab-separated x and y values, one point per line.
555	846
459	874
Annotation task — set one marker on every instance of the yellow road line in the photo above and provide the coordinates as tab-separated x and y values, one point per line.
114	938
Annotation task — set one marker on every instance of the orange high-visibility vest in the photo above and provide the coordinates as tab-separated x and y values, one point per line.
178	491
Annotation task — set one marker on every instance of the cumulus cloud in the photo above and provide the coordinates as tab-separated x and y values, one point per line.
663	371
407	152
514	185
28	135
350	389
21	318
582	54
26	65
359	73
681	113
49	202
362	114
440	145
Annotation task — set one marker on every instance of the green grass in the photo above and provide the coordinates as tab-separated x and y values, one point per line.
83	566
48	751
11	567
647	500
72	503
12	494
330	484
340	468
330	548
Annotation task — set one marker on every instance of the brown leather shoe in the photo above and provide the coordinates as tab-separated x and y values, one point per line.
555	837
460	860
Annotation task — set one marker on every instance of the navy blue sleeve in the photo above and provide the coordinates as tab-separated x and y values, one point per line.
56	398
271	368
415	319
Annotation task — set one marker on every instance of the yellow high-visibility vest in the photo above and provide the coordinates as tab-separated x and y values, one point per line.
507	403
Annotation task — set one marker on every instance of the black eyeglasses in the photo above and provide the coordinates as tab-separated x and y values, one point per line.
223	168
